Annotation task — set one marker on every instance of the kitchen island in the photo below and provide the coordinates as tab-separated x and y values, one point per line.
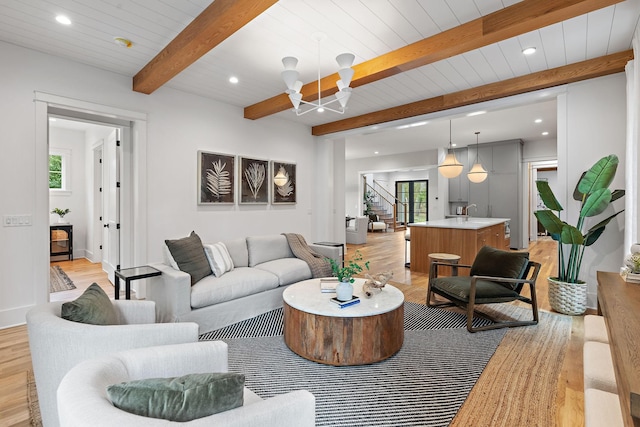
462	236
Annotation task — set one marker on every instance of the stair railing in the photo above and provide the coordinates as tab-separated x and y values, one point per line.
395	205
383	200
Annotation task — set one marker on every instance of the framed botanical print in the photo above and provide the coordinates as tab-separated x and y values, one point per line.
284	183
253	176
216	178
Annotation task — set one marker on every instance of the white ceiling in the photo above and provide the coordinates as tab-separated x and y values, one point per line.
366	28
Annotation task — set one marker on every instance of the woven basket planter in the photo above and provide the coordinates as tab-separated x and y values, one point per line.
567	298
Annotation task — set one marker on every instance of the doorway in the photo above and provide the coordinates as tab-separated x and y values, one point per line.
414	195
546	171
90	189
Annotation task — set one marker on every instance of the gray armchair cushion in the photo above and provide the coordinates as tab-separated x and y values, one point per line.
188	253
92	307
179	399
498	263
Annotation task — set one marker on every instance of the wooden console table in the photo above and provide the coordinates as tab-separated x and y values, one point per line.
619	303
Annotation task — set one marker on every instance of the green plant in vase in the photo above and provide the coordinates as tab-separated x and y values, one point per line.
594	196
345	275
351	269
61	213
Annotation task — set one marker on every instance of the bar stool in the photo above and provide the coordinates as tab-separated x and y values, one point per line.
445	258
407	241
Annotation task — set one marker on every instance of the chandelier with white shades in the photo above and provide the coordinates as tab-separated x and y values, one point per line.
290	77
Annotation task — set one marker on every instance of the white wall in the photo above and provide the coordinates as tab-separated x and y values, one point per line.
593	118
178	125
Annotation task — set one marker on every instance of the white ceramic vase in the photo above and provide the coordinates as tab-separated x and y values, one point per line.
344	291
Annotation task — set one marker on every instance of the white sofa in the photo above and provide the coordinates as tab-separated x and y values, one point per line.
263	267
83	401
57	344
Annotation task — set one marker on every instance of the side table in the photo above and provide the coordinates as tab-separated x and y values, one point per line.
335	245
130	274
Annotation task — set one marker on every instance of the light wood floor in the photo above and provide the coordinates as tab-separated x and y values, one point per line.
384	250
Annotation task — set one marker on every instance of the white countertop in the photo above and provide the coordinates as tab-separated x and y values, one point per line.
306	296
463	223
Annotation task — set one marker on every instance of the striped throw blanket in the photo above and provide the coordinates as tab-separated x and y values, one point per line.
318	263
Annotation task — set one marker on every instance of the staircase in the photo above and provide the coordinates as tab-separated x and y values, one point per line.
385	205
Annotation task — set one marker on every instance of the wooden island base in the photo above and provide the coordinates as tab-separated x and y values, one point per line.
343	341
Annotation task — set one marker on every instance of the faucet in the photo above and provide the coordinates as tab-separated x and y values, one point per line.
466	208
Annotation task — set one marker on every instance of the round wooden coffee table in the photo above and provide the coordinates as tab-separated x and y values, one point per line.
319	330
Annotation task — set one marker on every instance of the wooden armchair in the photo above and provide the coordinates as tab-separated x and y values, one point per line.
496	276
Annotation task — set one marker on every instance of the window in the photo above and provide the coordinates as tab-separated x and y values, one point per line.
55	171
59	161
414	194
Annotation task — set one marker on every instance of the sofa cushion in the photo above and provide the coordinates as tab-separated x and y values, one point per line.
179	399
92	307
288	270
267	248
237	283
238	251
219	258
188	253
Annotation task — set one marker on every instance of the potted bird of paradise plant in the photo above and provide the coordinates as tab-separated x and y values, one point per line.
567	293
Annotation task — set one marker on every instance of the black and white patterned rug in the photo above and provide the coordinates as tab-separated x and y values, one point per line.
424	384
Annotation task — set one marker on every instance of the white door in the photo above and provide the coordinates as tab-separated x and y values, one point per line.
111	204
96	219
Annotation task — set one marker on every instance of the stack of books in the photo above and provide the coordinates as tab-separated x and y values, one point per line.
328	284
354	300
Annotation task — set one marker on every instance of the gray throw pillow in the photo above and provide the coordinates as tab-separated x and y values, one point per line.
180	399
93	307
189	254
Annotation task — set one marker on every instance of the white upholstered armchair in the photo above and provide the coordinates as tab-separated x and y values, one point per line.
357	233
57	344
83	400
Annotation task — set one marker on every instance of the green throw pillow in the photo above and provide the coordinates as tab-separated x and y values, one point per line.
189	254
179	399
93	307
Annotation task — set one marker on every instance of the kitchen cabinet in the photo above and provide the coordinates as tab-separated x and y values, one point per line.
459	186
500	195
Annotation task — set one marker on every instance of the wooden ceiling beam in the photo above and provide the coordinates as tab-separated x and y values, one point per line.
597	67
521	18
215	24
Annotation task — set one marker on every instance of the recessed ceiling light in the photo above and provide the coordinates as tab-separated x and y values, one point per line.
476	113
454	145
52	119
529	51
121	41
233	79
403	127
376	152
545	133
63	20
538	120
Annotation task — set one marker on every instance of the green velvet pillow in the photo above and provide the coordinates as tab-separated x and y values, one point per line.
190	257
179	399
93	307
498	263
